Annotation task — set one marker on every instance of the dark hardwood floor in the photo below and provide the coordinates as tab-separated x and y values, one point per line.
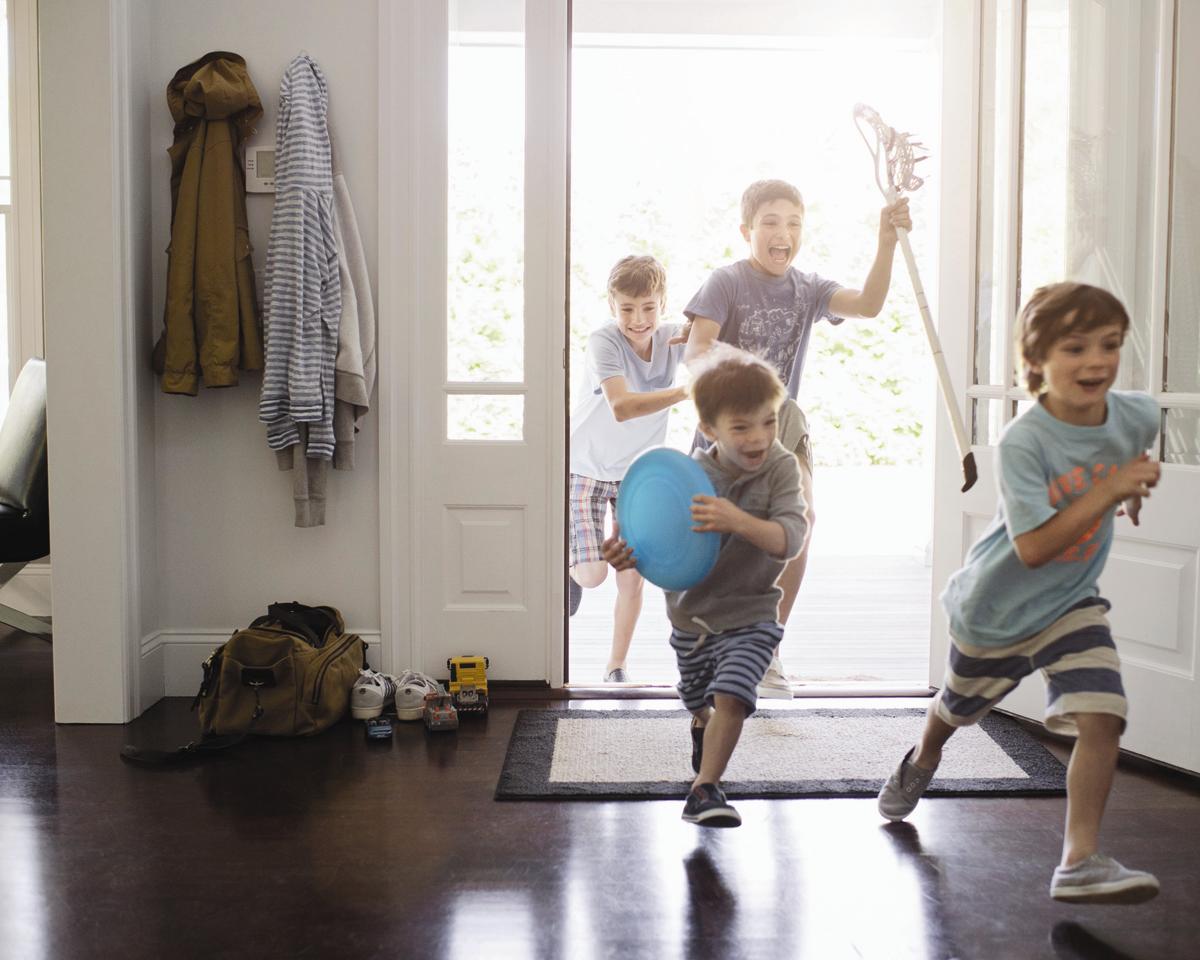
331	847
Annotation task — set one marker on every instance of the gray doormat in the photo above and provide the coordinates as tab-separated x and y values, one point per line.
641	754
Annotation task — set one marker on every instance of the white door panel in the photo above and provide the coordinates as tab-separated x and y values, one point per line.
472	327
1119	227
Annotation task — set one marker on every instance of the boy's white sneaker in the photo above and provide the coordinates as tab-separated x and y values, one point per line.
411	688
1100	879
774	685
370	694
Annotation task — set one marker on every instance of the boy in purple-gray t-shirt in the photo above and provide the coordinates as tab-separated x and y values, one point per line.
766	306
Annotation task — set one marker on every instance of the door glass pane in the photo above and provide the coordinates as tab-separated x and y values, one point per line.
997	194
1086	192
1046	136
987	420
1182	362
486	163
474	417
1182	437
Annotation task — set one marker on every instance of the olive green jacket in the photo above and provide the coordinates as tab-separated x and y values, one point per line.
211	313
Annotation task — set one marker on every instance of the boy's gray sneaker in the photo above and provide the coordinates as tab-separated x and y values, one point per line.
1100	879
706	805
903	789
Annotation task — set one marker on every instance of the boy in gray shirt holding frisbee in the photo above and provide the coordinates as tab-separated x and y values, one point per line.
725	628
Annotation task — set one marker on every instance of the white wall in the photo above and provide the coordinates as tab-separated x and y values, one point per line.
170	523
225	540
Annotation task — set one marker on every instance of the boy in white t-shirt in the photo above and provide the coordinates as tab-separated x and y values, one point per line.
622	408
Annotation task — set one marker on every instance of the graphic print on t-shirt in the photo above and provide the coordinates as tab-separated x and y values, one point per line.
1067	488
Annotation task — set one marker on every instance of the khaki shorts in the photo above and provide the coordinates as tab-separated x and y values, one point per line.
793	433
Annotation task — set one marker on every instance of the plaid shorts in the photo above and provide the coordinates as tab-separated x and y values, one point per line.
589	499
1076	654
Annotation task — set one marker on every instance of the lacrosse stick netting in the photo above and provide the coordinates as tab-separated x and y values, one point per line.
894	159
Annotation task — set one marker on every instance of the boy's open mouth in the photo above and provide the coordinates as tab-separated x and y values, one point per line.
779	254
1091	384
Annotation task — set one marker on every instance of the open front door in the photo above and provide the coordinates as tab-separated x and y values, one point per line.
1083	167
473	228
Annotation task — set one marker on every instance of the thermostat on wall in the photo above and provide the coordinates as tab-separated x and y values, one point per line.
260	169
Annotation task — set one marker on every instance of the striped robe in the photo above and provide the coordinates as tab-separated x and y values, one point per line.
302	302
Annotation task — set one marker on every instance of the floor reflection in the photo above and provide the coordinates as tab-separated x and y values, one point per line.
929	926
1072	942
711	926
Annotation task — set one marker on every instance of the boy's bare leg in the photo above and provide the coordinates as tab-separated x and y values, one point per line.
625	616
721	734
937	731
1089	779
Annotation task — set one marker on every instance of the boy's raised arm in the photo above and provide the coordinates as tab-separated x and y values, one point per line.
868	301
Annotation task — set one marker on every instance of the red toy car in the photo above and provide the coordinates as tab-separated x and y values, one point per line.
439	711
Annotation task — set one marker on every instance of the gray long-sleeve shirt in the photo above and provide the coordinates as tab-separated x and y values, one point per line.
740	589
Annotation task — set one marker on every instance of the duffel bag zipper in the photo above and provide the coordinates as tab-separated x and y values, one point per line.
337	652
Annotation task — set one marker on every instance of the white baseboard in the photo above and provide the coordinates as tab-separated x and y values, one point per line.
29	590
170	661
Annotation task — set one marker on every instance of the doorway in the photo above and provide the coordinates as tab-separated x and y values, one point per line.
671	117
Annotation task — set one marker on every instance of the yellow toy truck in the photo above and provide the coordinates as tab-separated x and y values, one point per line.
468	683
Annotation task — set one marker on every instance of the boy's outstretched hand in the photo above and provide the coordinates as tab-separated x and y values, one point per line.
892	216
616	551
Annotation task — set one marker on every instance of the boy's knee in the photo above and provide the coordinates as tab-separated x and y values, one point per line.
729	704
590	574
1099	727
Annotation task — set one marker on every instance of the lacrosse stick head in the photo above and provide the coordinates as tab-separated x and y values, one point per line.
894	153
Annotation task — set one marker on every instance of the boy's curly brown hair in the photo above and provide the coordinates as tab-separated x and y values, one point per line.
734	381
1056	310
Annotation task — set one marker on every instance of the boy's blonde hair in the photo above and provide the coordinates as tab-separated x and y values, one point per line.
1056	310
734	381
764	191
638	276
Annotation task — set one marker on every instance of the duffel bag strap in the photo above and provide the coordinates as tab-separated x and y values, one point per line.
196	749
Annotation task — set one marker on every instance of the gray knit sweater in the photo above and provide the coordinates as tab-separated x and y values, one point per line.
740	589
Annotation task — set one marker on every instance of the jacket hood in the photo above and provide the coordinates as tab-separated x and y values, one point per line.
215	87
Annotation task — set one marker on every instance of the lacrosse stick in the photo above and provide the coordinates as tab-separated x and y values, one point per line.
892	153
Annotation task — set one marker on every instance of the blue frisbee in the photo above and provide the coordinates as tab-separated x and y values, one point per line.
654	510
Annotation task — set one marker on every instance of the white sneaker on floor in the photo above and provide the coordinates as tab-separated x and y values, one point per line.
775	686
1100	879
371	694
411	688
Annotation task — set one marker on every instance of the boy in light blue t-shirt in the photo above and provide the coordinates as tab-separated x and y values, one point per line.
1027	596
624	401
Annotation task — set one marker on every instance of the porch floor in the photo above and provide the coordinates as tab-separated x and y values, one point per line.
857	620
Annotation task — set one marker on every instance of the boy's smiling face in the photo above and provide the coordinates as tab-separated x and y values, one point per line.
1079	369
744	438
774	236
637	317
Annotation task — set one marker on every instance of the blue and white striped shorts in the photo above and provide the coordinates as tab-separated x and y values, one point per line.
1076	654
732	662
